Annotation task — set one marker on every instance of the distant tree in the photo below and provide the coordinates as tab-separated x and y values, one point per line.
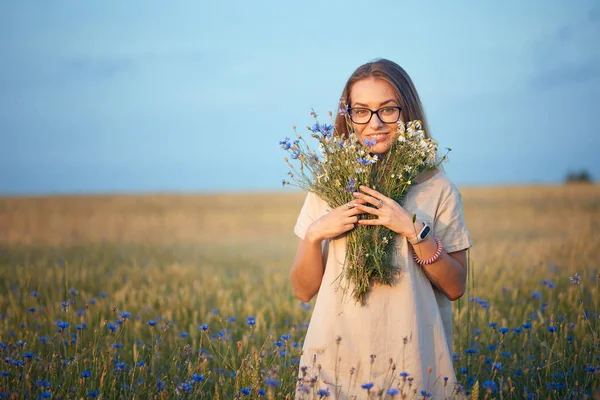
582	176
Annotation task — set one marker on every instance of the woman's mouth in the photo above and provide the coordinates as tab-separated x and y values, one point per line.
379	137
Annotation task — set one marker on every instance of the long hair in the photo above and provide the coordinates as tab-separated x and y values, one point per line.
396	76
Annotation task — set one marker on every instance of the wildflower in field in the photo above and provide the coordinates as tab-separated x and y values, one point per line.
62	325
246	391
152	322
251	321
124	315
85	374
425	394
203	327
575	279
323	393
111	327
503	330
197	378
392	392
367	386
272	382
93	394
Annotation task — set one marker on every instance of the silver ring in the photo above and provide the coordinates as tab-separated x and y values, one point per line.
379	203
348	205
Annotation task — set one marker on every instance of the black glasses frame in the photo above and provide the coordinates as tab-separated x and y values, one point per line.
373	112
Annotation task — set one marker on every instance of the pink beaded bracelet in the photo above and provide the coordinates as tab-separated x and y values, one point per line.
433	259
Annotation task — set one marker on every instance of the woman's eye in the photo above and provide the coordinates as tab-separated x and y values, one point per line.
388	110
359	112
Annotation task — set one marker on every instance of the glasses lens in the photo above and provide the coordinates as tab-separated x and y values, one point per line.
360	115
389	115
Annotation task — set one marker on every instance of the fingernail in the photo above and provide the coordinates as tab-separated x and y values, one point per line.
356	194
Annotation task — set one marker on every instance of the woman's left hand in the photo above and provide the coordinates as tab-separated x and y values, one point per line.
390	214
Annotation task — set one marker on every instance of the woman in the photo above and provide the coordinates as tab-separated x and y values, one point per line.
401	340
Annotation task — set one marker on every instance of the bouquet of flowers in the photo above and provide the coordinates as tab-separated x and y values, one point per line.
340	166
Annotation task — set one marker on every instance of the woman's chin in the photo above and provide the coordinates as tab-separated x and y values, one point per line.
380	148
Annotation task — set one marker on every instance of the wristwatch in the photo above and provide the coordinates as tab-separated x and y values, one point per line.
421	235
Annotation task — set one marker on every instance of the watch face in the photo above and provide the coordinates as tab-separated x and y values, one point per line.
424	232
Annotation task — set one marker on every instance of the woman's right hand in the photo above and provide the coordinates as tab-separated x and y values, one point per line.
337	221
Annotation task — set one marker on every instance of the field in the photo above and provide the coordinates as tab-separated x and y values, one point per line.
188	296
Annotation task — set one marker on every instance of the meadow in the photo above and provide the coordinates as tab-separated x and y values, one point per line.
188	296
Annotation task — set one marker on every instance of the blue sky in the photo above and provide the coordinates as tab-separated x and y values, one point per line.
145	96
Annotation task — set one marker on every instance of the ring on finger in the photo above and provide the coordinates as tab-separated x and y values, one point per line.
348	205
379	203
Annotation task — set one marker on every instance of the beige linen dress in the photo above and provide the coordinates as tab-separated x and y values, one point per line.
408	325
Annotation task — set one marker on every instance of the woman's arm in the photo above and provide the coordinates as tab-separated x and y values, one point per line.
308	267
448	273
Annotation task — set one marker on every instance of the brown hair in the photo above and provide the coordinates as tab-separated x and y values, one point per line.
396	76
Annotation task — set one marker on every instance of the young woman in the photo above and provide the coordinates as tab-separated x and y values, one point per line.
403	335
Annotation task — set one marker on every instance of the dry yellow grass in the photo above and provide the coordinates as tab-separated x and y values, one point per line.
534	220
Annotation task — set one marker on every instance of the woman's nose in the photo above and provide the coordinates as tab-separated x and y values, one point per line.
375	122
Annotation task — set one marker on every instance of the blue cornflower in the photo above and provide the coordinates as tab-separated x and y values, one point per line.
44	384
490	386
286	336
295	154
28	354
351	186
315	128
93	394
32	309
64	305
246	391
462	370
285	144
124	315
279	343
62	325
151	323
251	321
44	339
392	391
552	329
365	161
92	301
518	372
492	347
497	366
506	354
503	330
261	392
203	327
492	324
184	335
35	294
117	345
81	327
85	374
119	365
425	394
73	291
404	374
103	295
197	378
470	351
526	325
517	330
112	327
536	295
140	364
367	386
185	387
46	395
370	142
5	373
323	393
272	382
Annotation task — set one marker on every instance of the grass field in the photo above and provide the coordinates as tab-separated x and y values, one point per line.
188	296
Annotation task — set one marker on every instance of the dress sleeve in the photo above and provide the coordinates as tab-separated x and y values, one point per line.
310	212
450	225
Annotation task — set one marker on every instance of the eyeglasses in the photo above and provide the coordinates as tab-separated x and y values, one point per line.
387	115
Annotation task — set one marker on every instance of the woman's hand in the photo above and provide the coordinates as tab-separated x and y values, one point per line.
337	221
390	214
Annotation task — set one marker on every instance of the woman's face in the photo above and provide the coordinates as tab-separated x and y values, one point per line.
374	94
